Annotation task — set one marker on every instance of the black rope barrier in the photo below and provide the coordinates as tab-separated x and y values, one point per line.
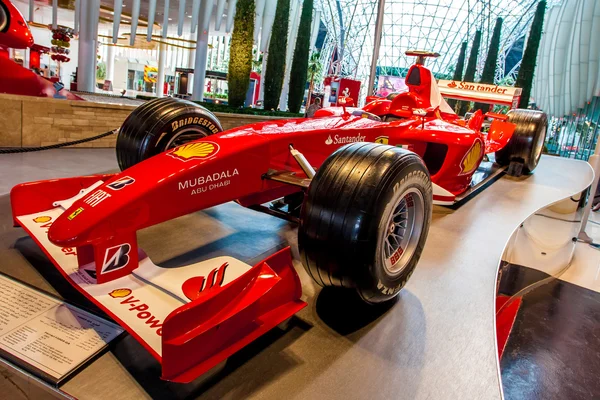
55	146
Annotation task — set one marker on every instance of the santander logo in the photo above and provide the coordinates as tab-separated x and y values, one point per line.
337	139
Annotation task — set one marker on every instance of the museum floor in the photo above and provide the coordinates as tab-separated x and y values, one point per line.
437	341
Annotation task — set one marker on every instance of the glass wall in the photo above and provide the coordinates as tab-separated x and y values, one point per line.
575	136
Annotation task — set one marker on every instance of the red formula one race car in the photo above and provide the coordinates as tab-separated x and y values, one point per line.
363	215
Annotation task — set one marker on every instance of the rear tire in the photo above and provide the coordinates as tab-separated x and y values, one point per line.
159	125
365	219
526	145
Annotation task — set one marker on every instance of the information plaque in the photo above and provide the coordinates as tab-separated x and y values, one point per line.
47	336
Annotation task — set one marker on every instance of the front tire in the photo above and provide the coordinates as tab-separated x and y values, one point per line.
525	146
162	124
365	220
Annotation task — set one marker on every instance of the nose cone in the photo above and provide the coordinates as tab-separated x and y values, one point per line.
14	31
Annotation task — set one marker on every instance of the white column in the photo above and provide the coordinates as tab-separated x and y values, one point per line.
32	8
295	20
160	82
261	88
376	45
88	37
190	64
201	51
110	63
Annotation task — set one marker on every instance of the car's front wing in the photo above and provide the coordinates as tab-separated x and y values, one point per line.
189	318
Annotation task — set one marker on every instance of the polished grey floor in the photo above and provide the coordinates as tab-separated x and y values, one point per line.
436	342
49	164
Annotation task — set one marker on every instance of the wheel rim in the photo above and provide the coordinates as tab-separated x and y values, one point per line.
184	136
401	231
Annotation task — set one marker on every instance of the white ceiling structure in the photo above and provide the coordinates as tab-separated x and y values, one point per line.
435	25
568	76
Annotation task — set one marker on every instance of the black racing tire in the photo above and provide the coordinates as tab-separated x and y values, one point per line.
159	125
527	143
348	216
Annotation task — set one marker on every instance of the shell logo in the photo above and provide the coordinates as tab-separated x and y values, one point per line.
471	159
191	151
120	293
42	219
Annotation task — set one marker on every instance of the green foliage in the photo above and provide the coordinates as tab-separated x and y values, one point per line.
471	68
300	60
489	69
458	71
240	55
315	68
257	64
527	70
276	57
101	72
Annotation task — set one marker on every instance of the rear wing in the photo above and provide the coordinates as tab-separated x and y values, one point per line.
480	92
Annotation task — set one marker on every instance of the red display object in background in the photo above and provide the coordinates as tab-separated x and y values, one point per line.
35	53
341	87
15	79
17	34
255	76
34	59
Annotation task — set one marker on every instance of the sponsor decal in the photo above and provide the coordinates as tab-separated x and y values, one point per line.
69	251
409	201
75	213
478	88
140	309
194	121
205	183
120	293
382	139
396	256
193	287
194	151
337	139
121	183
116	257
97	197
409	147
386	289
45	223
470	161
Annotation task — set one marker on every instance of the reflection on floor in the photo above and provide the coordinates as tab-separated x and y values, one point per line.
553	349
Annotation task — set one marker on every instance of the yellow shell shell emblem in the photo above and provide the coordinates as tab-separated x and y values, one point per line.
192	151
471	159
120	293
42	219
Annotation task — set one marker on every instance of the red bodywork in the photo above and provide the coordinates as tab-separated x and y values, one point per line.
231	166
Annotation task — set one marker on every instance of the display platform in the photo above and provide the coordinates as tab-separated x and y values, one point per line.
436	341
